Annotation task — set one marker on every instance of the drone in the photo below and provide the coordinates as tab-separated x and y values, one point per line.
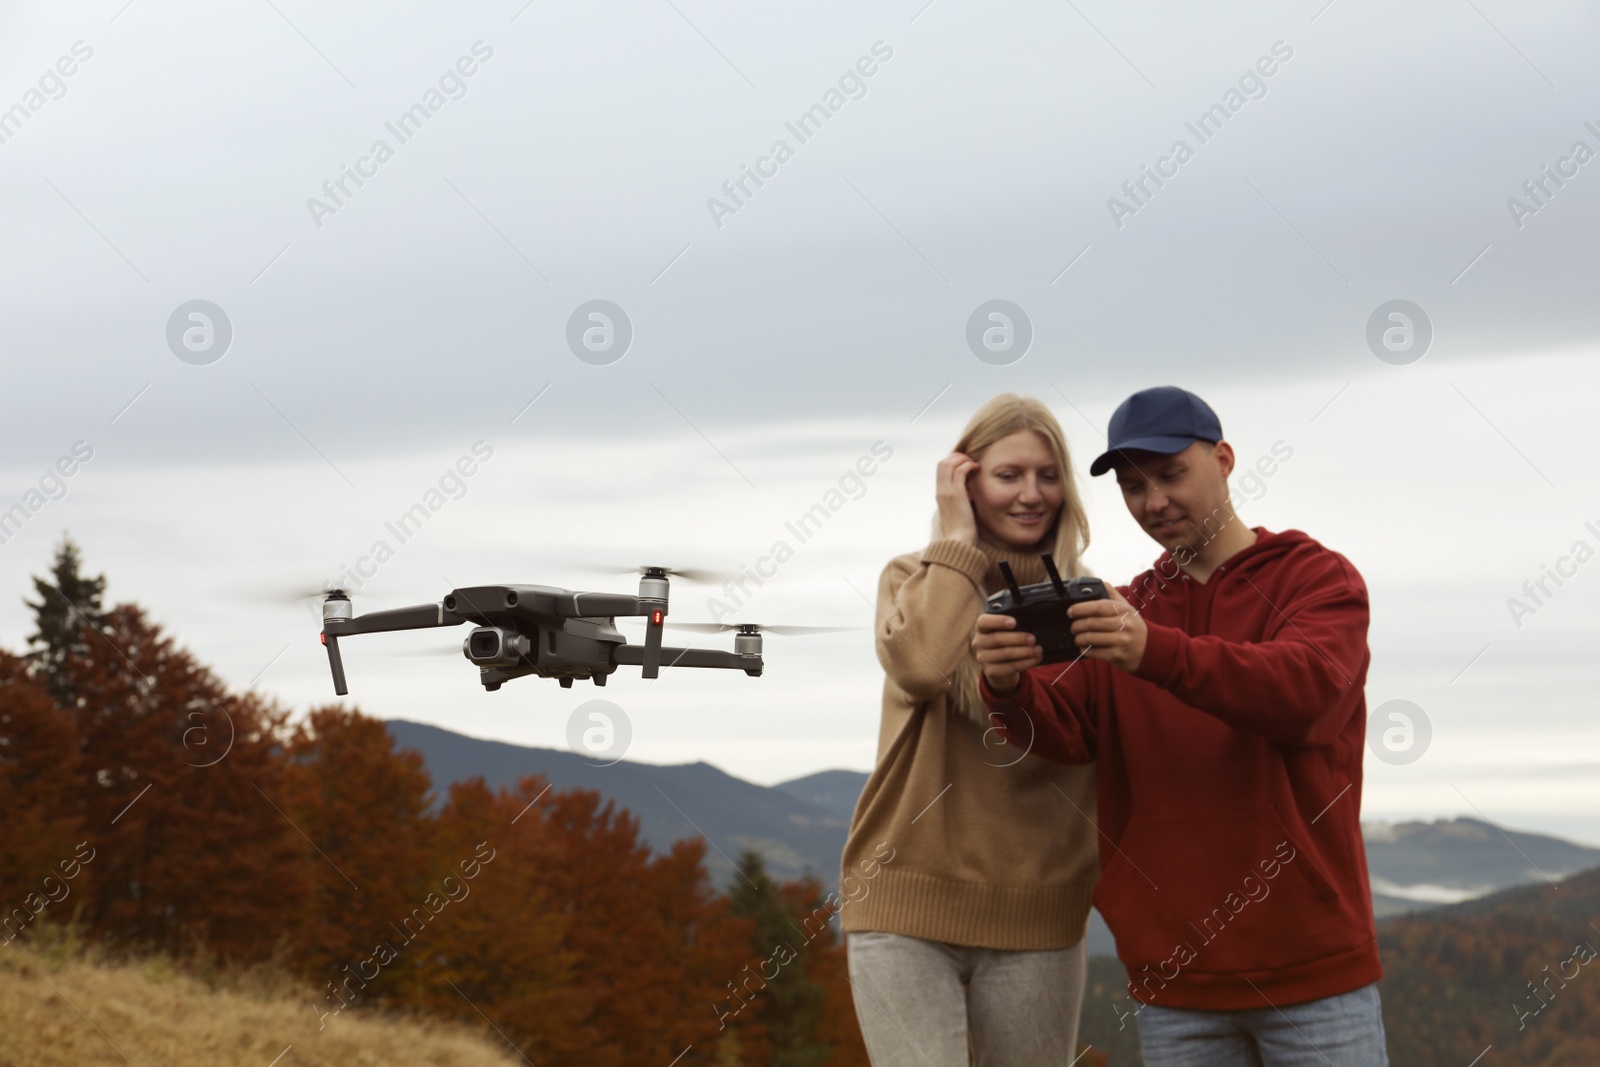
550	632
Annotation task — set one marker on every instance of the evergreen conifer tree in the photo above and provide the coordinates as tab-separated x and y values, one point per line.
789	1005
63	607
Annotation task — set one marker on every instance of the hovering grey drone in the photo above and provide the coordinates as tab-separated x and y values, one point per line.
551	632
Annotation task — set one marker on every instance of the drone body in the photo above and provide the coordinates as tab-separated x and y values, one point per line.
543	630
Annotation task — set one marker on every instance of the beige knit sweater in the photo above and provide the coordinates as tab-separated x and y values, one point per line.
986	845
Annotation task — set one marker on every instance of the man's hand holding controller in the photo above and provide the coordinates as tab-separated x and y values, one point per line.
1105	629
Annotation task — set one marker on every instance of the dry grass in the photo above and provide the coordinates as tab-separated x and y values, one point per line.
62	1006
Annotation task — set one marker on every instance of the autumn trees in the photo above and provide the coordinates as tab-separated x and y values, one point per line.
39	799
156	767
201	822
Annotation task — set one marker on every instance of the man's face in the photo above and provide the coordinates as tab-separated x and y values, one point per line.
1016	489
1181	500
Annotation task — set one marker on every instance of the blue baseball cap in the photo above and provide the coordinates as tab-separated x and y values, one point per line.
1162	419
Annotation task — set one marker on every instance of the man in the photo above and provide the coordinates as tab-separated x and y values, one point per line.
1220	694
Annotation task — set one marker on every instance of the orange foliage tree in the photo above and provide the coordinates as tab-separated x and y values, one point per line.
362	808
173	771
626	949
40	789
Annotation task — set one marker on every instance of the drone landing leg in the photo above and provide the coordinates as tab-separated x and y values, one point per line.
335	663
651	665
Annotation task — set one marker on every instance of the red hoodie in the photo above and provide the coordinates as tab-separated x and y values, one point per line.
1233	872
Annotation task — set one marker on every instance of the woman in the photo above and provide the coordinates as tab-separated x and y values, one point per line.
974	860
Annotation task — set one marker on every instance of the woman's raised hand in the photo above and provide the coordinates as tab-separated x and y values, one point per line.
955	502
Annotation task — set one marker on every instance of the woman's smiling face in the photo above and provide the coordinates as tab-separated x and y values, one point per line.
1016	490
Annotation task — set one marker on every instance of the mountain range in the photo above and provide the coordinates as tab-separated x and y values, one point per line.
799	826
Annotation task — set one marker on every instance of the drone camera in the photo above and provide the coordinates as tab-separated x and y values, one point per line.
491	646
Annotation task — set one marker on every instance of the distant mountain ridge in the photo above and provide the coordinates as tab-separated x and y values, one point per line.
793	833
1421	864
801	825
833	791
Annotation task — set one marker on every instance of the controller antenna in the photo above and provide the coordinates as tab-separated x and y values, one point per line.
1011	582
1055	577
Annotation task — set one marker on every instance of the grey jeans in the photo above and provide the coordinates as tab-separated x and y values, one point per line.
1020	1007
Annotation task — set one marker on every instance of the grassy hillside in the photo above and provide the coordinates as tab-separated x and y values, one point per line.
62	1008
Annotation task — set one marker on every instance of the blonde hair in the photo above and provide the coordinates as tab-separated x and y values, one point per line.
1006	414
1000	417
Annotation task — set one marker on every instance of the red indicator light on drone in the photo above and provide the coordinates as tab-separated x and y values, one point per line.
323	637
655	618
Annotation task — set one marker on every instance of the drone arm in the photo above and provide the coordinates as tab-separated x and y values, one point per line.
418	617
634	655
604	605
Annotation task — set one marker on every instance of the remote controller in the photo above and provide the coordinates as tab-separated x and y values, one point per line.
1041	609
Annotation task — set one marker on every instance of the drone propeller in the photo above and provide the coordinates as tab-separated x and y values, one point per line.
704	575
292	594
756	627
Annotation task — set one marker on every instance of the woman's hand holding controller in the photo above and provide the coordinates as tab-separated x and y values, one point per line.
1003	652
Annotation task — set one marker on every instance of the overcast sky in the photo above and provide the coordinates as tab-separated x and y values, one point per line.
379	331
